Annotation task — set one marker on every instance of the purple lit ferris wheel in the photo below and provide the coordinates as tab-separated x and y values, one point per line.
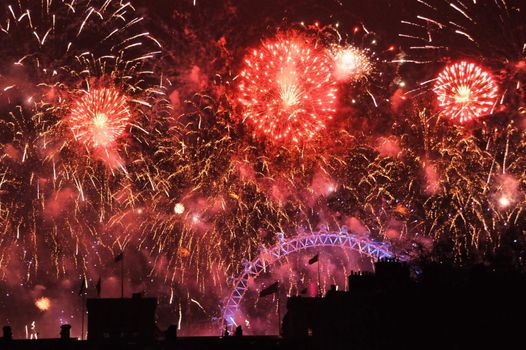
285	246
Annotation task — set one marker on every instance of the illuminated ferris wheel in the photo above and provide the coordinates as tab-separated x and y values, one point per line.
302	240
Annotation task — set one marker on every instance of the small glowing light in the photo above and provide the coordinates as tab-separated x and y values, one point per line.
289	92
195	218
504	202
179	208
43	303
100	120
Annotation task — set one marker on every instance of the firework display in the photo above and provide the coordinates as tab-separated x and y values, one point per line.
143	130
487	33
465	91
75	76
99	118
362	66
351	64
287	89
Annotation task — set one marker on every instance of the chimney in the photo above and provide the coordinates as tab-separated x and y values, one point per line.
65	331
8	334
171	333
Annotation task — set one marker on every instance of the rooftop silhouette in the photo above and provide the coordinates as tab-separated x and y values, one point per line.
433	306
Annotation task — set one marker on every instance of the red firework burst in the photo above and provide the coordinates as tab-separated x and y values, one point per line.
287	89
100	117
465	91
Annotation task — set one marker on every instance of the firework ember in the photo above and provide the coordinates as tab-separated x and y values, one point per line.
43	303
100	117
465	91
287	90
504	202
179	208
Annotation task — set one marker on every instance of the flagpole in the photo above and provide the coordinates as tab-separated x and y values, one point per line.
122	276
273	289
83	314
319	285
279	313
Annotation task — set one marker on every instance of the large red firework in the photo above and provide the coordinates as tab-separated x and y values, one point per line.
100	117
465	91
287	90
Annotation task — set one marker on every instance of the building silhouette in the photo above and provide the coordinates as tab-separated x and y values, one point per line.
116	319
439	307
435	306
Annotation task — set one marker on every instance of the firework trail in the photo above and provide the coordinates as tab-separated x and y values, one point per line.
491	33
222	192
362	65
58	192
487	194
